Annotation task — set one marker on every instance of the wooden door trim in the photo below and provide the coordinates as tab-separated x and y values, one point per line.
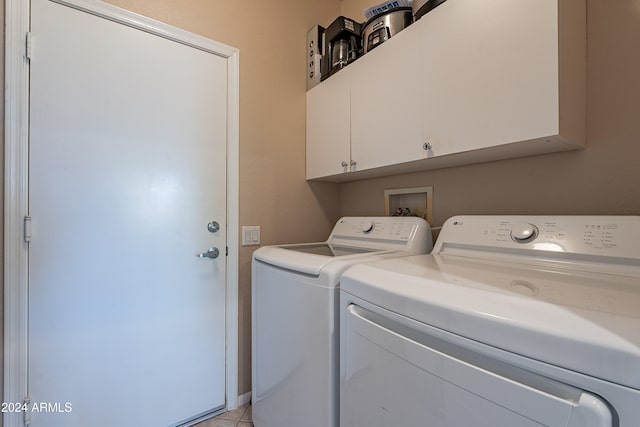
16	196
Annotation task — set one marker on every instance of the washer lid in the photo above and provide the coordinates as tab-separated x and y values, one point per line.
352	238
327	249
582	321
309	258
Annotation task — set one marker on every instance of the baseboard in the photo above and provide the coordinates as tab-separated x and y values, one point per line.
243	399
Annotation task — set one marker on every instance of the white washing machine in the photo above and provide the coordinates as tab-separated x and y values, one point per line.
511	322
295	331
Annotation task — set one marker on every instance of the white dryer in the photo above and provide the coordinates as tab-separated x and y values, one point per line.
512	321
295	331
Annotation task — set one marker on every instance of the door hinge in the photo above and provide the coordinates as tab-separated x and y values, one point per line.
26	417
226	251
27	228
28	46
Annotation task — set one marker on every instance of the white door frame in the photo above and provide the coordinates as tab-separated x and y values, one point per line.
16	197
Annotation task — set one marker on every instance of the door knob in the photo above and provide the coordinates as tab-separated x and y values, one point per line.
211	253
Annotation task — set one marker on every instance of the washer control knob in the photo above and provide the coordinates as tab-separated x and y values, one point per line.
368	227
523	232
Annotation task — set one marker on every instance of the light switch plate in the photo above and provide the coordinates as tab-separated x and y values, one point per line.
250	235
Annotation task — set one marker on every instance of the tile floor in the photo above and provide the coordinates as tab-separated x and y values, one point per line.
240	417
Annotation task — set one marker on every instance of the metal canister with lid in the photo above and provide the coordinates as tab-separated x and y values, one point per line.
382	27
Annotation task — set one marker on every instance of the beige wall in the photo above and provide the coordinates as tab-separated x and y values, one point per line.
603	179
354	9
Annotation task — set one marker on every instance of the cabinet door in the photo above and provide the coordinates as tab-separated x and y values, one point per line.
328	127
385	103
490	73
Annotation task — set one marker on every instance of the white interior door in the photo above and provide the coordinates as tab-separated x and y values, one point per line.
127	168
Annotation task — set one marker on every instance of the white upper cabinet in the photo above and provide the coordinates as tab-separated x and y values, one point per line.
329	127
386	109
469	82
489	73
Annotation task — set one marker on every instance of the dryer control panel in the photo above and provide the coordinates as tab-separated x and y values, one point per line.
586	236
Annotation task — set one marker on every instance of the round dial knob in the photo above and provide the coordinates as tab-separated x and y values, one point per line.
523	232
368	227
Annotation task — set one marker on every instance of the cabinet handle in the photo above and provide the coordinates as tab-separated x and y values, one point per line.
353	162
427	146
344	164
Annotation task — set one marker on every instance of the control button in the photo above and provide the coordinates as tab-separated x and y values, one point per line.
368	227
524	232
